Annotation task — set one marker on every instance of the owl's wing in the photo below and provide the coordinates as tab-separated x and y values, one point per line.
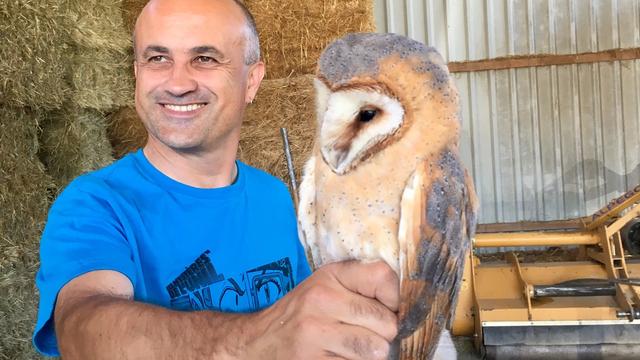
307	214
438	213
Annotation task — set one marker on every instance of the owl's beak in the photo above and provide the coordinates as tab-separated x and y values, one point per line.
335	158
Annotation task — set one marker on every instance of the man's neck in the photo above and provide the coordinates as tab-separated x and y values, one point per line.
198	169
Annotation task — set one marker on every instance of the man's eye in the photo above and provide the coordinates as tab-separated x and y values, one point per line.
206	60
157	59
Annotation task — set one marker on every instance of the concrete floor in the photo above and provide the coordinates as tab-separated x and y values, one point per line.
465	349
455	347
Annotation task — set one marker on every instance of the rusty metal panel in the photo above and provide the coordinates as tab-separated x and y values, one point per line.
542	143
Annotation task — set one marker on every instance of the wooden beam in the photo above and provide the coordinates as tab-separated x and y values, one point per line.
513	62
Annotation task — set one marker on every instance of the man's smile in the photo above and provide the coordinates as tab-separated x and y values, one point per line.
183	109
186	107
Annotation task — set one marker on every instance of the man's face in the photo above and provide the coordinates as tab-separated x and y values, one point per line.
192	83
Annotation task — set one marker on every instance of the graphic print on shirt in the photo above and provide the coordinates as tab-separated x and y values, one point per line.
201	287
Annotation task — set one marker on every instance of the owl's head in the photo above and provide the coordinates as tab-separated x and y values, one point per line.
361	97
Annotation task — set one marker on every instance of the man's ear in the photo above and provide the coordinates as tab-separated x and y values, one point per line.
254	78
135	69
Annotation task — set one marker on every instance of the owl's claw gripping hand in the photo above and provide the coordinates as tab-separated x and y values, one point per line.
345	310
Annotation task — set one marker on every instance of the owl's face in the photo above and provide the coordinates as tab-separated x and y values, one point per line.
354	123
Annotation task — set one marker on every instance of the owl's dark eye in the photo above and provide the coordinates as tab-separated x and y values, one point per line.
367	115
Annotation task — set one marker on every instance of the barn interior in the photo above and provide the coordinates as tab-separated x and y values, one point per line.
550	108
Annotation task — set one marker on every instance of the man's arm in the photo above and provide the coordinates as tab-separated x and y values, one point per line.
343	310
95	318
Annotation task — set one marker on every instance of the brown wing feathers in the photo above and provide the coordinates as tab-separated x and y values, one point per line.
436	246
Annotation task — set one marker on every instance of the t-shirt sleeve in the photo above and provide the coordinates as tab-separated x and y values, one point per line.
82	234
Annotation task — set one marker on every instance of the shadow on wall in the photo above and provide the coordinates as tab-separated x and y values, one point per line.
599	180
580	191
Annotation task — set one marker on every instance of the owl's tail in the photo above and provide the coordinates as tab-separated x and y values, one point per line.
420	345
422	322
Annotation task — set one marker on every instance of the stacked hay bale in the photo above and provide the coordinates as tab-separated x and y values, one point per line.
292	35
34	59
24	199
102	75
34	54
126	131
130	11
287	103
75	139
64	65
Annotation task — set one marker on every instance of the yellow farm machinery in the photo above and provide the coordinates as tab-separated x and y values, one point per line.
583	306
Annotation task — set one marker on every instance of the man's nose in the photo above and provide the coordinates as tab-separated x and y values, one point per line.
181	81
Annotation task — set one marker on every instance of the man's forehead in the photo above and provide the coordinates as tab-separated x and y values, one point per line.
193	18
228	8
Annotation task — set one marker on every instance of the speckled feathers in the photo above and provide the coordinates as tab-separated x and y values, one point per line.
385	181
358	55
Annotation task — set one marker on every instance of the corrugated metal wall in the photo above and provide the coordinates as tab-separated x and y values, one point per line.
543	143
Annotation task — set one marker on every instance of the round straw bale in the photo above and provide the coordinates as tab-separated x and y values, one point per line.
126	131
74	141
102	79
25	194
287	103
293	33
34	53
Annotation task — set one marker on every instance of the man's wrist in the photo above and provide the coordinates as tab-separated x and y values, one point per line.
229	336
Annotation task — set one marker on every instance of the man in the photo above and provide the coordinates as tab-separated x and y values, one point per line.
181	225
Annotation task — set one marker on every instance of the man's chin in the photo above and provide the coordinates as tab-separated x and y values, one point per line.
185	146
178	144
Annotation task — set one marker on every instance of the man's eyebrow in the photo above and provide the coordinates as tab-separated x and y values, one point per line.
207	49
156	49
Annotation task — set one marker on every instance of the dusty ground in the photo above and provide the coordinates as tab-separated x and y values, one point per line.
465	349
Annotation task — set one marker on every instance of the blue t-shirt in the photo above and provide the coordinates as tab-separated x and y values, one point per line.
232	249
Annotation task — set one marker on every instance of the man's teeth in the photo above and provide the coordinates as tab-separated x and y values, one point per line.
183	107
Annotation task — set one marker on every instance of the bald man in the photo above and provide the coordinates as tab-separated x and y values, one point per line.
178	251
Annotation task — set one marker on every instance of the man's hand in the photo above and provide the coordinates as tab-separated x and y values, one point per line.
343	310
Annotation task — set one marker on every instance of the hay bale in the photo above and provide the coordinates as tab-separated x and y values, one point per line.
98	24
280	103
126	131
24	199
101	75
74	142
130	11
294	33
102	79
34	53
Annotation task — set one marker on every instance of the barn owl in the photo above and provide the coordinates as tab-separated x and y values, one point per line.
384	180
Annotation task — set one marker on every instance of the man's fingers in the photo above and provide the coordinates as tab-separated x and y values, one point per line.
344	310
375	280
374	316
356	343
359	310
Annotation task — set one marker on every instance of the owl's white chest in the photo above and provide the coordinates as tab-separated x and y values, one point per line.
359	220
